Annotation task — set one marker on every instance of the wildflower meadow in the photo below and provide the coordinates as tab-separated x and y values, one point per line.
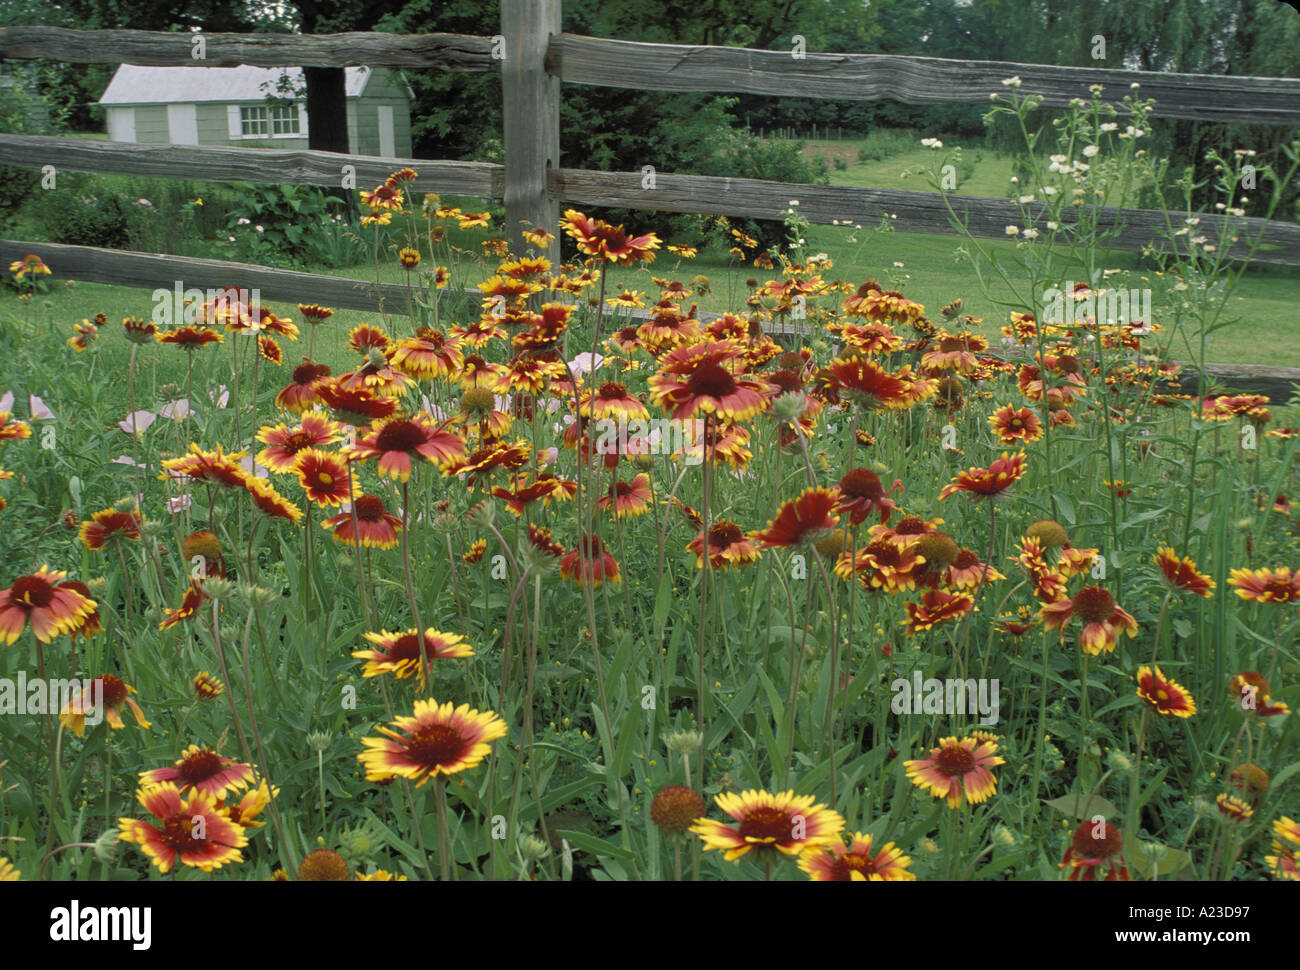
548	574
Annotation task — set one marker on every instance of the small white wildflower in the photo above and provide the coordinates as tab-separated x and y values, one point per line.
897	264
1013	230
1058	159
1053	226
1025	198
1050	190
1192	220
1011	82
1220	206
1108	126
931	143
1031	233
1090	150
1014	179
1134	86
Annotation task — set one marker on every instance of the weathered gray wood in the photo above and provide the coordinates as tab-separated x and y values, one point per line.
269	166
446	52
530	118
922	212
149	271
1279	383
911	80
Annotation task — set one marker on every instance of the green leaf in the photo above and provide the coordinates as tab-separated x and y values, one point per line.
597	847
1165	859
1285	774
1083	806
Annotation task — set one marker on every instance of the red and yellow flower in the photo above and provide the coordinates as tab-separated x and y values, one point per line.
397	441
203	770
1104	620
702	379
108	525
858	862
957	770
325	477
436	740
1266	585
727	546
52	607
1096	846
770	825
216	842
990	483
1166	696
377	527
801	521
107	693
400	654
589	562
1016	425
1182	574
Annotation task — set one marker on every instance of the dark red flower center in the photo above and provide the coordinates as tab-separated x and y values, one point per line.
436	745
177	834
296	442
954	760
786	380
114	690
855	862
370	508
767	824
711	380
884	553
400	436
611	390
1094	604
612	238
966	559
199	767
406	647
862	483
1108	845
32	591
724	535
910	525
307	372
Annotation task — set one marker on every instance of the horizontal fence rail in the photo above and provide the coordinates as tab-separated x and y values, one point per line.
446	52
150	271
217	163
911	80
920	212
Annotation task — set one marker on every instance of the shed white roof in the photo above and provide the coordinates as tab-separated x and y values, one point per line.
133	84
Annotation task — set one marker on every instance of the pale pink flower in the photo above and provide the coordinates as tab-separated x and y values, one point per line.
137	422
39	411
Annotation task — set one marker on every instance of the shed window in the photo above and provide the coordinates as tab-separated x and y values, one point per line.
264	120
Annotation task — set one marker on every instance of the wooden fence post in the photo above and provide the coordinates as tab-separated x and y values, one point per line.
530	114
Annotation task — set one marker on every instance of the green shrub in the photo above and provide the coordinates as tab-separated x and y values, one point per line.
82	212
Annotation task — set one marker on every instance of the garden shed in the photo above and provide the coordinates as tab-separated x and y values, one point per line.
252	107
